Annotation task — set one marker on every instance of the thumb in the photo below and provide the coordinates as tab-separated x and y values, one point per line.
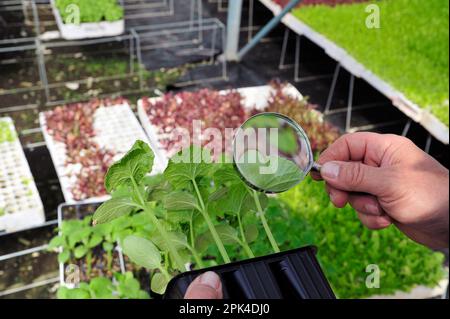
355	177
206	286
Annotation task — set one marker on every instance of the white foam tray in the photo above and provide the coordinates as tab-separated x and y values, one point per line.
116	128
422	116
87	30
253	98
19	197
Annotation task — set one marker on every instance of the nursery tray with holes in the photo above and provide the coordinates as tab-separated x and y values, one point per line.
79	211
294	274
20	204
87	30
252	98
116	129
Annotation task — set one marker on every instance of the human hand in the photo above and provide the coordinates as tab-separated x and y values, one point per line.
205	286
388	180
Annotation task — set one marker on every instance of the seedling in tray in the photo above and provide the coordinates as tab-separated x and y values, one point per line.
195	207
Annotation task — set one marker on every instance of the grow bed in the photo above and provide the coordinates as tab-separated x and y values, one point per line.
93	255
403	81
219	109
346	248
84	139
97	19
20	204
73	220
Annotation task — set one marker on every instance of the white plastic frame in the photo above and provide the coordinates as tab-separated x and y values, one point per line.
22	203
116	130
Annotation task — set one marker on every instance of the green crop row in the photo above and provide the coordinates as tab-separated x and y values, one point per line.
346	248
409	50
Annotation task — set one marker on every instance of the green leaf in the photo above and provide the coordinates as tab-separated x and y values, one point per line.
186	166
129	287
179	217
218	194
63	256
133	166
107	246
159	283
112	209
227	234
234	201
227	174
80	251
142	252
251	233
179	200
55	242
79	235
270	173
76	293
178	240
95	240
101	288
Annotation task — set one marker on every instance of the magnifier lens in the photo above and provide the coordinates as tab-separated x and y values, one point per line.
272	153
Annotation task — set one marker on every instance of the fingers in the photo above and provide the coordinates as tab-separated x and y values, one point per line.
367	207
366	204
375	222
356	177
205	286
338	198
365	147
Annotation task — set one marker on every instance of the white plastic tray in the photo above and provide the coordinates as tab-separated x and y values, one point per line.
422	116
87	30
19	196
116	128
253	98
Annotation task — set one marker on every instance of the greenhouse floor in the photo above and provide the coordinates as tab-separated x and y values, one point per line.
313	66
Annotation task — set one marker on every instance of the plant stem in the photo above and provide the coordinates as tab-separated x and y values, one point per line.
244	240
89	263
160	228
265	224
197	258
211	227
165	273
109	259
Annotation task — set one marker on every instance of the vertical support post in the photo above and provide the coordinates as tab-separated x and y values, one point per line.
213	45
332	88
139	57
406	128
348	121
37	25
233	29
297	58
267	28
428	144
251	11
282	65
42	70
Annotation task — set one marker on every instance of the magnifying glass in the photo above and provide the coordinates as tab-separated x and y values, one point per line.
272	153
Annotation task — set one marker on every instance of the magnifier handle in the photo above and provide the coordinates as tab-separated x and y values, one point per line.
316	168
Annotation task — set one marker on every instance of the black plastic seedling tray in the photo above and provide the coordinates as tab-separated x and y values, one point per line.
294	274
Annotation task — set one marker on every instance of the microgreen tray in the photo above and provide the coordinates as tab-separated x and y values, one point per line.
20	204
253	98
116	129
